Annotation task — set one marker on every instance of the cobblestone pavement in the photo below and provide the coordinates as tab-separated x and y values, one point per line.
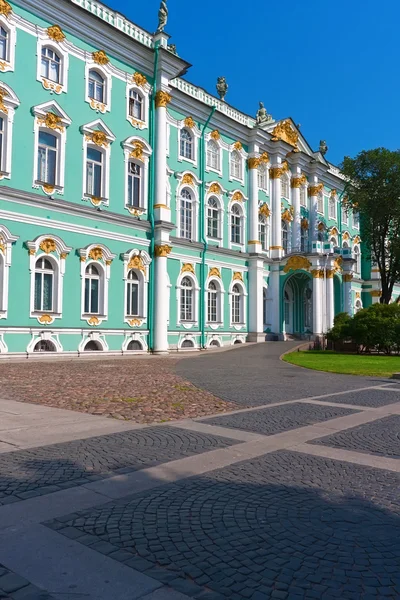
145	390
369	398
28	473
15	587
276	419
284	525
380	437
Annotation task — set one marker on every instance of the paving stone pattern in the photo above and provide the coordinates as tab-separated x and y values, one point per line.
15	587
277	419
285	525
28	473
371	398
379	437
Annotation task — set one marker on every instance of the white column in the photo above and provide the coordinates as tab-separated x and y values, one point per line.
330	300
161	304
254	244
256	286
276	250
313	191
347	305
318	282
296	183
274	294
161	210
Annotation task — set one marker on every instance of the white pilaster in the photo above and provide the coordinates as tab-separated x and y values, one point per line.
161	210
317	301
254	244
274	294
276	249
161	297
313	193
295	184
256	286
330	300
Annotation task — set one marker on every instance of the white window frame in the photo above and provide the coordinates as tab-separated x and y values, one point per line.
235	245
59	130
44	336
303	196
10	102
193	189
289	236
8	64
242	306
138	151
103	263
356	223
6	242
138	261
304	237
285	186
332	204
242	157
263	175
220	234
320	203
144	91
195	296
220	146
105	72
61	49
220	303
264	222
57	254
105	147
357	257
195	133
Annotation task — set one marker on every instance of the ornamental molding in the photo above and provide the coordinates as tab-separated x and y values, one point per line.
277	171
215	188
333	231
237	276
48	245
238	146
162	99
137	151
139	79
162	251
358	296
96	252
298	182
321	226
214	272
338	264
135	322
215	135
264	210
295	263
189	122
93	321
136	262
99	138
333	193
314	190
45	319
357	240
3	94
5	8
304	224
51	121
346	236
254	162
55	33
187	179
285	132
237	197
330	273
187	268
100	58
287	214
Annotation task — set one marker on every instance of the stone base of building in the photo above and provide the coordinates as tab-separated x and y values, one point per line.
256	337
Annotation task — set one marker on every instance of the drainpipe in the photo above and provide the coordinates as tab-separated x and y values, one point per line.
203	233
151	201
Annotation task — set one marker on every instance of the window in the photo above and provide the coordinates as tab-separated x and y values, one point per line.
50	65
285	186
303	240
186	215
237	304
345	216
262	177
92	290
47	158
134	345
357	257
186	144
285	236
44	346
94	172
263	233
212	302
236	224
236	165
303	196
307	307
213	218
92	346
215	344
134	184
3	44
187	344
320	203
44	285
321	236
356	220
132	294
96	86
357	306
333	241
345	245
213	155
2	143
135	105
187	299
332	207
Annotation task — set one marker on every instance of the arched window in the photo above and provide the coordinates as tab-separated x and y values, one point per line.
345	245
215	344
320	203
187	300
236	224
44	285
2	143
285	186
357	306
135	184
3	44
186	215
93	346
92	290
345	216
50	65
213	302
285	236
44	346
94	172
47	158
357	257
132	294
213	155
303	196
134	345
213	218
186	144
307	304
237	342
321	236
332	207
303	239
333	241
262	177
136	105
236	165
237	304
187	344
356	220
263	232
265	307
96	86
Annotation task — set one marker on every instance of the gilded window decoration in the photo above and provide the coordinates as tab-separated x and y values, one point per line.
294	263
48	245
215	135
135	322
237	276
188	268
100	57
299	181
237	197
189	122
376	293
264	210
214	272
96	254
3	94
287	215
5	8
137	151
93	321
136	262
304	223
314	190
55	33
238	146
98	138
188	179
51	121
215	188
46	319
321	226
285	132
139	79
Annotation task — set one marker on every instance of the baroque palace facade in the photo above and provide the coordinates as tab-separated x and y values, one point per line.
139	213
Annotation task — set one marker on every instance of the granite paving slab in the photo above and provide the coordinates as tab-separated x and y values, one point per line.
269	421
28	473
372	398
380	437
285	525
15	587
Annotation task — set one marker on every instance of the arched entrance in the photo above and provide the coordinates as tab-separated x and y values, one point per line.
297	305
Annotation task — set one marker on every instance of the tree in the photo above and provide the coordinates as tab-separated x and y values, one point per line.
373	189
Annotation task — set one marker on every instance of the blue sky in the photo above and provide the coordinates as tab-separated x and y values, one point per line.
334	67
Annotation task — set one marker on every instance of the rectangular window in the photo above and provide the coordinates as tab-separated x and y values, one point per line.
356	220
91	296
332	208
320	203
186	304
186	219
263	236
3	44
303	196
212	307
345	216
134	184
236	309
47	158
94	173
1	143
236	230
43	292
132	300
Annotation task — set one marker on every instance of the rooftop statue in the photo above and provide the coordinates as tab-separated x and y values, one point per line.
162	16
323	148
222	87
262	115
172	48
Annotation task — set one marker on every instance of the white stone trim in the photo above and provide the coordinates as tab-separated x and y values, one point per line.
9	25
11	102
243	307
143	277
6	241
221	145
49	336
220	302
183	337
105	72
89	128
96	336
243	241
134	336
61	49
129	147
243	155
195	207
221	212
104	266
196	290
144	91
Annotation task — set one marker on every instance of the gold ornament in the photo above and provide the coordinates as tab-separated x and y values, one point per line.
295	263
31	252
285	132
358	295
189	122
95	200
47	188
188	179
304	223
96	253
346	236
215	135
162	251
48	245
264	210
63	255
100	57
5	8
330	273
214	272
139	79
108	263
237	276
56	33
3	65
376	293
314	190
317	273
97	137
215	188
93	321
333	231
45	319
237	197
287	215
253	162
337	264
333	193
53	87
357	240
2	245
3	94
299	181
162	99
187	268
277	172
135	322
137	151
264	158
347	277
321	226
97	106
238	146
136	262
51	121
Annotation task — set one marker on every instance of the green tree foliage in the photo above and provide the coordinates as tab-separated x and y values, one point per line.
373	189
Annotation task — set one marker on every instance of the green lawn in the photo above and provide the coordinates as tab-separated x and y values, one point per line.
351	364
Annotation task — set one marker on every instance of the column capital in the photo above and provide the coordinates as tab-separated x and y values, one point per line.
277	171
162	99
317	273
347	277
298	181
162	250
314	190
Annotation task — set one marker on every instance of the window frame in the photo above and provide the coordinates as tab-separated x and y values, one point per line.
237	163
192	189
263	222
219	217
48	149
144	91
219	298
104	146
195	289
332	208
101	257
5	263
218	146
137	151
285	186
8	63
105	72
263	174
321	203
10	102
61	49
97	84
189	133
241	297
241	215
285	228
